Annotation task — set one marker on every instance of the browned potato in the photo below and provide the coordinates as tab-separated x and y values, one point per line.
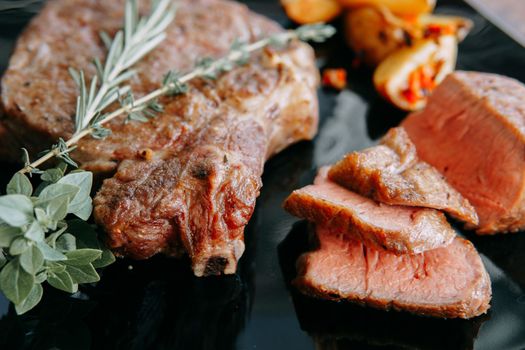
437	25
408	75
399	7
374	33
311	11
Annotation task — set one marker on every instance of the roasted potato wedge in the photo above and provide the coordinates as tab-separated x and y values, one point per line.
311	11
408	75
374	33
437	25
399	7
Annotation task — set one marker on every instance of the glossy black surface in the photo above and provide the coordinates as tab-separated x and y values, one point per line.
158	304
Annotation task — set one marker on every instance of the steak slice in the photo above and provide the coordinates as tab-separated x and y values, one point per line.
399	229
186	182
445	282
473	132
391	173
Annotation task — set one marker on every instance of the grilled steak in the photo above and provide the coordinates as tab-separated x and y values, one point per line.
392	173
446	282
186	181
473	132
399	229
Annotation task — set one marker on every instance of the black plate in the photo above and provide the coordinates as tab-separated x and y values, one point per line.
158	304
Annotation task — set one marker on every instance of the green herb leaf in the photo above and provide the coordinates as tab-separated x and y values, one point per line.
81	203
45	221
16	209
83	274
15	283
52	238
20	184
3	259
57	208
82	257
66	243
7	234
63	281
50	254
107	258
32	299
57	191
41	277
35	232
32	260
52	175
18	246
55	267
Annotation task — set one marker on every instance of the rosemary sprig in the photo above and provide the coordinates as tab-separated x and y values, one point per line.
129	45
175	83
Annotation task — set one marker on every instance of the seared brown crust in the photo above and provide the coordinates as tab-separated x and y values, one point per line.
398	229
473	132
186	181
392	173
448	282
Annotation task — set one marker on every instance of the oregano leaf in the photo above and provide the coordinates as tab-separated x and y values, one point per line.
62	280
107	258
32	299
82	257
18	246
35	232
57	191
49	253
52	175
41	277
80	205
57	208
83	274
16	209
19	184
66	243
41	216
3	259
32	260
52	238
55	267
15	283
7	234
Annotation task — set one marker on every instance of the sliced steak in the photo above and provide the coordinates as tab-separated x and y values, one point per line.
391	173
473	132
445	282
399	229
186	181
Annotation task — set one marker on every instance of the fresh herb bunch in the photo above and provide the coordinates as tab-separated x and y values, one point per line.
39	241
38	244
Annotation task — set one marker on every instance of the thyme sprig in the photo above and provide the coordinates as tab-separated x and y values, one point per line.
176	83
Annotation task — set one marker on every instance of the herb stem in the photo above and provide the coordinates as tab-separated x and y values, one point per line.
316	33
